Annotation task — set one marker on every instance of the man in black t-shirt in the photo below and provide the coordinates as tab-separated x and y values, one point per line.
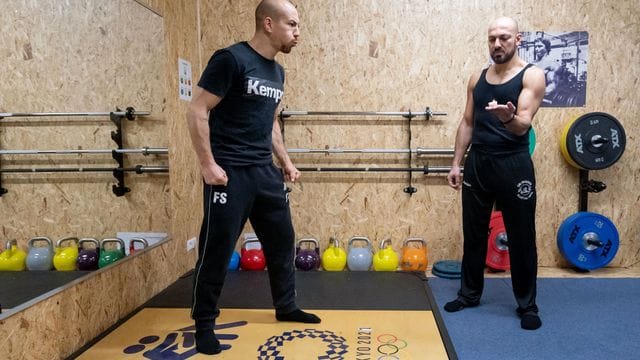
233	127
501	103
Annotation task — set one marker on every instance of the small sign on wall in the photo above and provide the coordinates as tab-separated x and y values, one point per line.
184	75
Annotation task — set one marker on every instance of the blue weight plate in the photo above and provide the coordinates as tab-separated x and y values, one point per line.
588	240
444	275
447	267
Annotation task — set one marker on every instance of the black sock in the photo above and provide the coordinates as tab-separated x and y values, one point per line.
457	305
530	321
206	342
298	316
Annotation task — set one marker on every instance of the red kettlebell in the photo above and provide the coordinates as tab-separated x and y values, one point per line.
251	255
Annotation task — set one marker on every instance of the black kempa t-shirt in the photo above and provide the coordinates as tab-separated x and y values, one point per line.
251	87
489	134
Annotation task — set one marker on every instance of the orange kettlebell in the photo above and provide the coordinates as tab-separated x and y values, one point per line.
414	258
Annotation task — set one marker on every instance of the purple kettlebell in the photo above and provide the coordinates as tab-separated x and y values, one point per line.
88	258
309	258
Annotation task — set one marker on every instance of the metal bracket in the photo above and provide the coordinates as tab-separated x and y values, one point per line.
410	189
2	190
116	136
586	186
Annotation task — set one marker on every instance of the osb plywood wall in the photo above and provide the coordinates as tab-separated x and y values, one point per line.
102	55
407	55
82	312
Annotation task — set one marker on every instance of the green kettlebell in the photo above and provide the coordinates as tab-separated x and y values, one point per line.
110	256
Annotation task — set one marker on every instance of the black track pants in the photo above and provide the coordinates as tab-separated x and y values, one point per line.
257	193
509	182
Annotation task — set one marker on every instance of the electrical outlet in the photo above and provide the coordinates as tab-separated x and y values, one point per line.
191	244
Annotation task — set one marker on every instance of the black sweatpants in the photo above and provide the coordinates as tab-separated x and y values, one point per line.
507	180
257	193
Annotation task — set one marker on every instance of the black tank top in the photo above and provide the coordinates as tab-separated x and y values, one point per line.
489	134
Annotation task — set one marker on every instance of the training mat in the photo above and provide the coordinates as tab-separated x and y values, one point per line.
162	333
18	287
341	290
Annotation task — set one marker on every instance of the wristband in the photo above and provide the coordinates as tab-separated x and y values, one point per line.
513	116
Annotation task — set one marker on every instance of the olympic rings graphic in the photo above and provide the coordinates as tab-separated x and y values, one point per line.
389	346
388	357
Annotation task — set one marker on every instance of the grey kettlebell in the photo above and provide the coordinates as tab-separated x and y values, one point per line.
359	258
40	258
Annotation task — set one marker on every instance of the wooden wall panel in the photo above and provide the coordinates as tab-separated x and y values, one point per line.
101	56
368	55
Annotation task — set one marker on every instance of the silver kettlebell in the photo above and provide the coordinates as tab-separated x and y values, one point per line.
359	258
40	258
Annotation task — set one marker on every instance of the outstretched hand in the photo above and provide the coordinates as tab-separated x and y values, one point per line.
504	113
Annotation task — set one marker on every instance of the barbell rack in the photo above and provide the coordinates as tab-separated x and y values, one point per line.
117	154
144	151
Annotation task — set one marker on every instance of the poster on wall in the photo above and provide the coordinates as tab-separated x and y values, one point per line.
563	56
184	74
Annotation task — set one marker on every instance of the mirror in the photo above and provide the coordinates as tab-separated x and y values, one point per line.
57	169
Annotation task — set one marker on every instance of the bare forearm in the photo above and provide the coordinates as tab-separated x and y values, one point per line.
463	139
198	123
519	124
279	150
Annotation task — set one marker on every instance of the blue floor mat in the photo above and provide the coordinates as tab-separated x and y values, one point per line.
581	319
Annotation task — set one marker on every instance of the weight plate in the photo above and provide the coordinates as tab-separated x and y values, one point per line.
451	267
497	247
588	240
593	141
444	275
532	141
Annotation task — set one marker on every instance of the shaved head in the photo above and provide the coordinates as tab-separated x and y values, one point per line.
506	23
270	8
504	39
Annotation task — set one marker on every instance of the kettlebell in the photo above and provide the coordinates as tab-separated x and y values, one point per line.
40	258
414	258
132	243
65	257
359	258
234	263
12	258
252	259
110	256
386	258
88	258
334	258
307	259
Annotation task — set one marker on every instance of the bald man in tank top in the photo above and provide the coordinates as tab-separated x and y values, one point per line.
501	103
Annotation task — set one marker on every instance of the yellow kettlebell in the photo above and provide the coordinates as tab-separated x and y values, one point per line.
13	258
334	258
386	258
66	257
414	258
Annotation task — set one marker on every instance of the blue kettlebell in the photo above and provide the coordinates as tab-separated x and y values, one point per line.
40	258
234	264
359	258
